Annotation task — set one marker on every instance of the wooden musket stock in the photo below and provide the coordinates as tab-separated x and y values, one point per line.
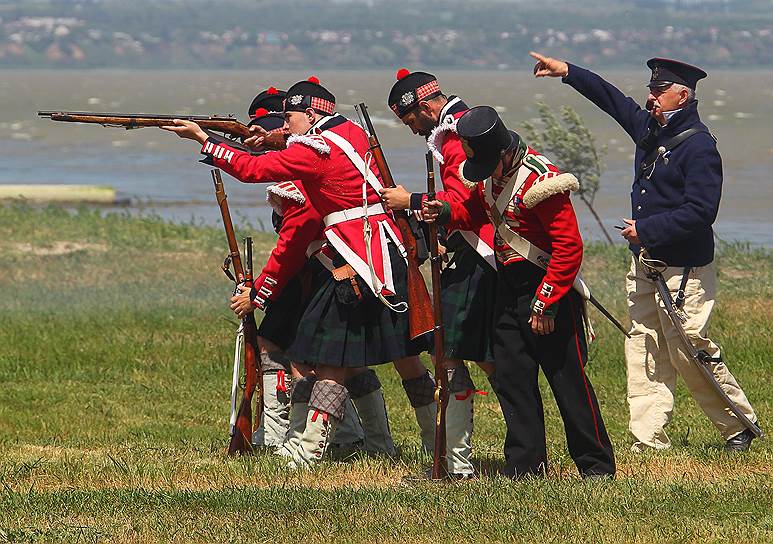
439	462
241	438
419	305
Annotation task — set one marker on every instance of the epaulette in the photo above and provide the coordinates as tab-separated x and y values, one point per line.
547	185
314	141
284	190
466	182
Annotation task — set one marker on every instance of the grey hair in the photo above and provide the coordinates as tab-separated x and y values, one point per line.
678	87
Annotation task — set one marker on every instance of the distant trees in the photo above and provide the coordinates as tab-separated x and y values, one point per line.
481	34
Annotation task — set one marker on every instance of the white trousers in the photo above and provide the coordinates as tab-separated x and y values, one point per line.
655	355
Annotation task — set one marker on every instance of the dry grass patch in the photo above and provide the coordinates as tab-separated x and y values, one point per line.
57	247
747	309
55	468
684	468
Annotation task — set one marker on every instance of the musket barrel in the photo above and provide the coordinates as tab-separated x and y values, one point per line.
226	124
430	177
368	122
49	113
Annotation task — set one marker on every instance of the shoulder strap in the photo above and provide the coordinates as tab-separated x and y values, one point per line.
669	145
513	185
355	158
673	142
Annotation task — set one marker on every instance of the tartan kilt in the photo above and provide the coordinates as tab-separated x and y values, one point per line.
335	334
281	318
468	296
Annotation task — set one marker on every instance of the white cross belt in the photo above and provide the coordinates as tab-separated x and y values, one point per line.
342	216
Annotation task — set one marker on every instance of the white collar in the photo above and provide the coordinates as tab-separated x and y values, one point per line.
669	114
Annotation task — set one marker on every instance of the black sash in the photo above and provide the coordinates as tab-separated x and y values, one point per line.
669	145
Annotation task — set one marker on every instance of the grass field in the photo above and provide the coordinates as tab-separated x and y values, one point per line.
115	354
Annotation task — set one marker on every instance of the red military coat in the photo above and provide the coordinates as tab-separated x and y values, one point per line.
334	186
447	150
539	210
299	236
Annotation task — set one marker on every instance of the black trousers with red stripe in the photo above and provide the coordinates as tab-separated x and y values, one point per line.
518	356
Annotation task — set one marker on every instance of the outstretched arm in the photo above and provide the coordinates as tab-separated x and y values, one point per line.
606	96
296	162
187	130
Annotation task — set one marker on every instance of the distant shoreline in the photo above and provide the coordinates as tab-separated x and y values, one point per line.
633	67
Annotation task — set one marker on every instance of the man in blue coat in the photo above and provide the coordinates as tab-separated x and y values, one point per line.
675	198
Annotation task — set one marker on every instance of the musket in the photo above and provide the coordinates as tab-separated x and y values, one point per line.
606	313
419	305
241	427
699	357
225	124
439	462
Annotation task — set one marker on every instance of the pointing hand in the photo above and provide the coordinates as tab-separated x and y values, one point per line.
548	66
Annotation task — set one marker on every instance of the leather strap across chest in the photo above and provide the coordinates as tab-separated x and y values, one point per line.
669	145
521	245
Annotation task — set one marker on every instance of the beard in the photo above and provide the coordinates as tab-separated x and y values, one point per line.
425	125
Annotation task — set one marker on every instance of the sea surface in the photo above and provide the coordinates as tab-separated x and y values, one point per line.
155	172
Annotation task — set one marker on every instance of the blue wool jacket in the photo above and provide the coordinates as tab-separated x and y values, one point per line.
675	207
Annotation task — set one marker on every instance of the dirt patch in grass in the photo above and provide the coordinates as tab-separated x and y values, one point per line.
747	310
738	273
57	247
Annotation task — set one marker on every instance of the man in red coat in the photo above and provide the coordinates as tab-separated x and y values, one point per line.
468	282
281	290
357	317
538	320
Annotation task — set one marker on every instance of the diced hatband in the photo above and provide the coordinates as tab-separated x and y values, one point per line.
410	89
310	94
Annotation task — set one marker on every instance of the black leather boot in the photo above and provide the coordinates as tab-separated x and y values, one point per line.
740	442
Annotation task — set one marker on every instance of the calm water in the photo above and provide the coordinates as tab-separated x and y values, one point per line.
160	173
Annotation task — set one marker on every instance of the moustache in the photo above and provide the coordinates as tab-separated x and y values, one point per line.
651	103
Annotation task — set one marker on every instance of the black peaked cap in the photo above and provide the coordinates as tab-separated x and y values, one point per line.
485	139
271	99
409	89
310	94
667	71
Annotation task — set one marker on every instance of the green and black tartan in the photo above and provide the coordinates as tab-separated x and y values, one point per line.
368	333
468	295
281	319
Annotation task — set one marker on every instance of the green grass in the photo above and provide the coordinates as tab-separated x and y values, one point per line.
115	348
